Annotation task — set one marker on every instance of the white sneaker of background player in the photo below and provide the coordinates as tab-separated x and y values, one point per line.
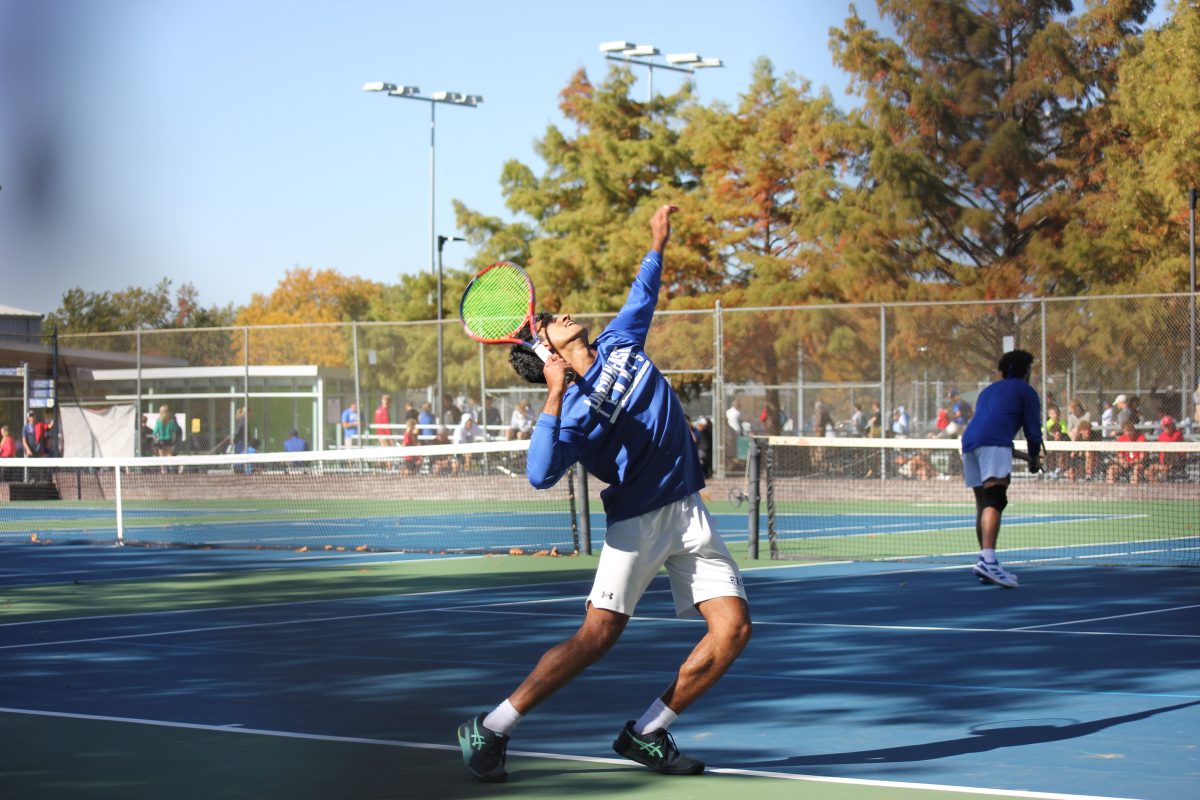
992	572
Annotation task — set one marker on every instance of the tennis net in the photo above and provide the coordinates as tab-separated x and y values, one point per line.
1111	503
431	498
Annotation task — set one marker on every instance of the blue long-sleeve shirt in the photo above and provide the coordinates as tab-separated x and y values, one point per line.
1003	408
621	420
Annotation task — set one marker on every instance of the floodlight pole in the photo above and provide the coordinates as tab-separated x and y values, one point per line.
451	98
441	242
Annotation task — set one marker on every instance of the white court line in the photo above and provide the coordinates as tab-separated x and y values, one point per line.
236	728
495	608
1102	619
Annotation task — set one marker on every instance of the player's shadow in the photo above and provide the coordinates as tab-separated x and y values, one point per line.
979	741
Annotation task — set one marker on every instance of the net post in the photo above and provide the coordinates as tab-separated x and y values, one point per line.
772	534
571	503
585	512
120	504
752	455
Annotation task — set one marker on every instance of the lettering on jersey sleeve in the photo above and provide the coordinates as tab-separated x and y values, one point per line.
624	370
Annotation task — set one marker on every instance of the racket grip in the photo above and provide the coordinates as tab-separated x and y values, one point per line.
544	353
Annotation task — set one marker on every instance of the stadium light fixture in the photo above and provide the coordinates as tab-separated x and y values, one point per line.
644	55
451	98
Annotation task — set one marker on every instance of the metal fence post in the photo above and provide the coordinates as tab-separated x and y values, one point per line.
719	423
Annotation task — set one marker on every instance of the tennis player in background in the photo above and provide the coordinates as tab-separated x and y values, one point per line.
1003	408
621	420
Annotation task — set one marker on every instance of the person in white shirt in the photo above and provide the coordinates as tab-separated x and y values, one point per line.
465	432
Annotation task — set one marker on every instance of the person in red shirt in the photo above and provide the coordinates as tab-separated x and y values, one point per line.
383	418
1167	463
1130	463
8	445
8	449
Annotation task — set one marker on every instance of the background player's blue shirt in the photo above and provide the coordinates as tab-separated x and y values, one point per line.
1003	408
622	420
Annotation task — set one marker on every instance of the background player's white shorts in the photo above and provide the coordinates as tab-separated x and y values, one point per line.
680	536
986	462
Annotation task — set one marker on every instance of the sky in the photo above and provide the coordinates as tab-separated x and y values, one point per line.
223	142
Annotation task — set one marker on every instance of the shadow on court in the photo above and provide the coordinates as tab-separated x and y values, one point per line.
979	741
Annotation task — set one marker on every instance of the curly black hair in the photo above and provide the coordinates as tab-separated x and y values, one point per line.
1015	364
527	364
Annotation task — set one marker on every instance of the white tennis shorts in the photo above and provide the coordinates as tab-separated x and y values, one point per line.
680	536
986	462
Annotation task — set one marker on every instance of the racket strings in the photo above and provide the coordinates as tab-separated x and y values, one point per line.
496	304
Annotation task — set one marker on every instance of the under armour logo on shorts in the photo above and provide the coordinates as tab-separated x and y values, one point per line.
607	595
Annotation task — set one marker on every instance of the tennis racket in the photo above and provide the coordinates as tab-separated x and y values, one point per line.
1028	457
497	307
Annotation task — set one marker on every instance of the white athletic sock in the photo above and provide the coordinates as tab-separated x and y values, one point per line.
503	719
988	554
657	717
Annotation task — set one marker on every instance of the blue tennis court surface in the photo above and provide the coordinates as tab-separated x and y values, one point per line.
1082	682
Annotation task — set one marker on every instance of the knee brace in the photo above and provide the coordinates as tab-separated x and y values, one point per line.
991	497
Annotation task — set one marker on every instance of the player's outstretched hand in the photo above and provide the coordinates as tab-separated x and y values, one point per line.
660	226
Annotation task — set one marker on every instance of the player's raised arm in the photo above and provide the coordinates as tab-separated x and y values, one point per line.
660	227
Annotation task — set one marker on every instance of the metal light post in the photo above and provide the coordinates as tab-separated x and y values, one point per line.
631	53
441	241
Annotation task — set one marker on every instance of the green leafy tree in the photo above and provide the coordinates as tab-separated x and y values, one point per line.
135	308
970	138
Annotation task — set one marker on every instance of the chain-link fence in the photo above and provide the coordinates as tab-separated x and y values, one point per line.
879	369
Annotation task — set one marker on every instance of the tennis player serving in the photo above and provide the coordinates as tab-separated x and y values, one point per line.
1003	408
621	420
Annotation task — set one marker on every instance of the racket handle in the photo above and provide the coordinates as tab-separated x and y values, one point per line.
544	353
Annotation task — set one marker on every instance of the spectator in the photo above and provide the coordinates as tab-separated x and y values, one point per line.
521	424
241	430
410	411
50	444
294	444
915	464
465	406
350	423
960	414
858	421
443	464
943	422
704	444
465	433
450	412
428	423
31	435
383	418
491	419
822	420
1169	465
1196	410
1108	419
410	439
1054	430
1077	414
1082	465
8	449
1128	464
900	422
1123	412
875	421
165	432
